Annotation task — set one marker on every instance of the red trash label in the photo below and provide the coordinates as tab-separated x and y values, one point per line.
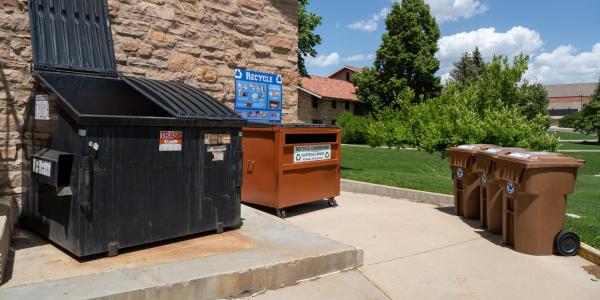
170	141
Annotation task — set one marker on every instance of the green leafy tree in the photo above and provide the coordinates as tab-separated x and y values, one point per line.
589	120
469	68
490	110
596	95
405	63
533	100
307	39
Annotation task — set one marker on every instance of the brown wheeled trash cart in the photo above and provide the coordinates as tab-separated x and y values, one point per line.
535	186
286	165
490	192
466	179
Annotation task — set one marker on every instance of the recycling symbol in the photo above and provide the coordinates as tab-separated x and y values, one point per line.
510	187
278	79
298	157
460	172
484	178
327	155
238	74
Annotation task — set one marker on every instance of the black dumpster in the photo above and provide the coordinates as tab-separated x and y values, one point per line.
129	160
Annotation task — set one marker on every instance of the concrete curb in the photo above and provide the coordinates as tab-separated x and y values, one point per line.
286	255
5	226
590	253
394	192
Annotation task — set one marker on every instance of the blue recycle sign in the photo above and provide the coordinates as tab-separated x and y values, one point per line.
258	96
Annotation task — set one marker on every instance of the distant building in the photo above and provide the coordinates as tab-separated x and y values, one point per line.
345	73
565	99
322	99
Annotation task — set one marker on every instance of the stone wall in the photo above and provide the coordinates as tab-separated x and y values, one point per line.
199	42
307	113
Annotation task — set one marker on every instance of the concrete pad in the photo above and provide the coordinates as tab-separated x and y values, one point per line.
351	285
266	253
416	250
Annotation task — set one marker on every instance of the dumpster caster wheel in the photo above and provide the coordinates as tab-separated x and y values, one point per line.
281	213
332	202
567	243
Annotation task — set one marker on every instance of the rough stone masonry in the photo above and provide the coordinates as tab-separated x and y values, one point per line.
199	42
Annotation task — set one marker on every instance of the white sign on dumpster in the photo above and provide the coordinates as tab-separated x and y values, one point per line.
311	153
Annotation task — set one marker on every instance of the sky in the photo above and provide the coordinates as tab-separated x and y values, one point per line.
561	37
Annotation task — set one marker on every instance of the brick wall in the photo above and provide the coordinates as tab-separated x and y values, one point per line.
307	113
198	42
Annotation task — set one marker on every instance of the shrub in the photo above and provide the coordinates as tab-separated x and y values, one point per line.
354	128
569	120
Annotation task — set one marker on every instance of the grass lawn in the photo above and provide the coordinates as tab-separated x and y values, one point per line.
573	136
429	172
578	146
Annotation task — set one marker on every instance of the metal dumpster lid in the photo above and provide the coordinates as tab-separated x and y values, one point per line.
73	35
182	100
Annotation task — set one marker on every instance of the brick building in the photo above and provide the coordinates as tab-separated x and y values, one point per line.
565	99
322	99
199	42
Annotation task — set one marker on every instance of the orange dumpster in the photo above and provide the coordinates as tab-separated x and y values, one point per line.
287	165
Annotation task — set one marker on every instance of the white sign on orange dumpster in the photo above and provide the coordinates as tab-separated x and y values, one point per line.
311	153
170	140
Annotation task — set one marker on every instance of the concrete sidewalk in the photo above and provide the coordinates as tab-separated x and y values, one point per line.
421	251
266	253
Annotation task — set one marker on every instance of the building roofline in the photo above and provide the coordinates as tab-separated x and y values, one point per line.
342	68
309	92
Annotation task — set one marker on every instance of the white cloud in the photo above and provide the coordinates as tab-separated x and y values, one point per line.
513	42
371	24
358	57
454	10
324	60
335	58
443	10
565	65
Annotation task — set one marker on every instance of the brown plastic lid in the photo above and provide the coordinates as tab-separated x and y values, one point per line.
472	149
495	151
542	159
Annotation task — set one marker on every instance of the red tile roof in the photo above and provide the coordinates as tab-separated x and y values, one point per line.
330	88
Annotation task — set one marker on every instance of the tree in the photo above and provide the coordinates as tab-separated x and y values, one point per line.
307	39
596	95
533	100
589	120
468	68
405	62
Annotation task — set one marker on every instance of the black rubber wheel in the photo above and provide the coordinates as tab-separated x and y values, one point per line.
332	202
567	243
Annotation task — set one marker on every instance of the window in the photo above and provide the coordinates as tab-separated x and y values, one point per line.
333	104
318	121
315	102
348	76
347	105
333	122
561	112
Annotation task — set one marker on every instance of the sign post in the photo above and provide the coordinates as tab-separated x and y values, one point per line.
258	96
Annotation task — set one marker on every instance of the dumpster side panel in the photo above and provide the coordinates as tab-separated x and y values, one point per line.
221	187
53	216
259	167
